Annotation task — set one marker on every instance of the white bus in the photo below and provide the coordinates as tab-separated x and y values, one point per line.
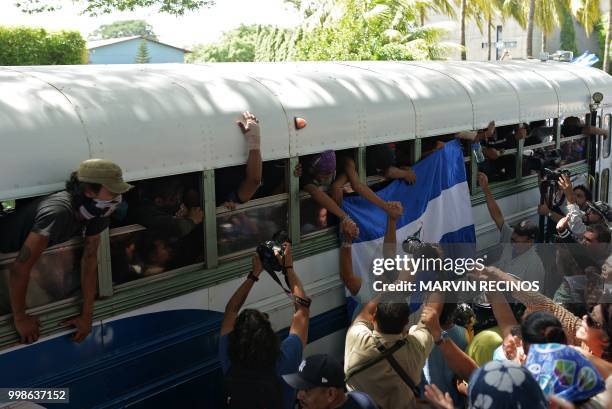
154	336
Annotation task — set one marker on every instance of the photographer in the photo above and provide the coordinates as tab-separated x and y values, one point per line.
252	357
520	257
576	220
582	195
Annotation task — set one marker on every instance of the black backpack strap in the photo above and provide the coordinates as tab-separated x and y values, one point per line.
397	367
374	360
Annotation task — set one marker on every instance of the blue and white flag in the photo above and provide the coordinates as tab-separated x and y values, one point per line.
437	208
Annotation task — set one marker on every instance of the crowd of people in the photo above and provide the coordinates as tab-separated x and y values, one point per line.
524	349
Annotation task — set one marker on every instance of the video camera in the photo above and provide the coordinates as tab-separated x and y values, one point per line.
555	175
268	249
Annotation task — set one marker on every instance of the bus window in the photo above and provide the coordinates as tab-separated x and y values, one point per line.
162	229
250	207
573	125
605	185
314	217
500	154
593	182
387	162
54	277
539	148
573	150
7	206
246	227
322	171
607	139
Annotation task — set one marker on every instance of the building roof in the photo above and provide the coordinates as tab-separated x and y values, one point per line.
110	41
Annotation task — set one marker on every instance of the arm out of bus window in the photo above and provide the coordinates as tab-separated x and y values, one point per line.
252	181
407	174
299	323
324	200
30	252
89	268
351	280
237	300
361	188
494	209
591	130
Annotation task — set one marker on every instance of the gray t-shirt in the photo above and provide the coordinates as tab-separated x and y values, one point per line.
51	216
526	266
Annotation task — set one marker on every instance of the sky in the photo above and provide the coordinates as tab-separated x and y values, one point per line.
203	26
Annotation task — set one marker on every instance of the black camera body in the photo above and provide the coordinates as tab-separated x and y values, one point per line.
268	249
555	175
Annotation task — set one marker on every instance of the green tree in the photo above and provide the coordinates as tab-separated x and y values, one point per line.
371	30
568	33
35	46
606	52
142	55
235	45
124	28
588	13
97	7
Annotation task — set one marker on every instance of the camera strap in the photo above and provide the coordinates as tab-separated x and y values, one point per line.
296	299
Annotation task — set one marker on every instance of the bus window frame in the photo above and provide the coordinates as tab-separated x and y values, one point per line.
607	141
8	258
282	198
604	192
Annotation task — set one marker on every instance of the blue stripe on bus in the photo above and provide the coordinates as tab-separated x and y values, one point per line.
155	356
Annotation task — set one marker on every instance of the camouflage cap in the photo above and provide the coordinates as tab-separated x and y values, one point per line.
103	172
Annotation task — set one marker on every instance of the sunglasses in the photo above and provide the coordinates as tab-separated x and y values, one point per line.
591	322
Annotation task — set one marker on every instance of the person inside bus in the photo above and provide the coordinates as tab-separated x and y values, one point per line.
381	160
330	171
92	194
161	208
494	141
252	357
315	217
520	258
238	184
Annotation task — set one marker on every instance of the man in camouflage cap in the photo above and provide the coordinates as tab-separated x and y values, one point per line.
83	209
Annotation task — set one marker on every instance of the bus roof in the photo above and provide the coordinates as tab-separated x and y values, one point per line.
161	119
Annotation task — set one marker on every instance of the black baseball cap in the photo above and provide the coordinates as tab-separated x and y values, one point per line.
319	370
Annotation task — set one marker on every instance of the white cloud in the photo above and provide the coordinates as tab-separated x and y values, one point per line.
203	26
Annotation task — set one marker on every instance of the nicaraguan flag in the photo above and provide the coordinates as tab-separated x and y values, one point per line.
437	209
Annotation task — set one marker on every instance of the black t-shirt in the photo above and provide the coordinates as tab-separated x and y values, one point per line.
502	139
51	216
358	400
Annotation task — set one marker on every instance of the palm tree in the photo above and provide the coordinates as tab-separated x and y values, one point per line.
545	14
588	14
606	58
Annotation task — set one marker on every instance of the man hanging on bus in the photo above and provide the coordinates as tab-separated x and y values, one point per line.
92	194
